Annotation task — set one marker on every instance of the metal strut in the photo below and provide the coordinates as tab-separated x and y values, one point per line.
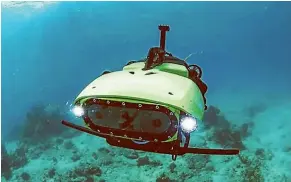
163	29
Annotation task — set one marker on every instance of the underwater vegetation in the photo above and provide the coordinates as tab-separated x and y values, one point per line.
41	125
44	138
15	160
39	128
222	131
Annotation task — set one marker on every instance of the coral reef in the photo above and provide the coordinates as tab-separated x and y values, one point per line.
41	124
25	176
255	109
15	160
72	159
52	173
143	161
223	132
214	118
40	127
164	178
228	138
172	167
197	162
68	145
5	163
86	171
251	169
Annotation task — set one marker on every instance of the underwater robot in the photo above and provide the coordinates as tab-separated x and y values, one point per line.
151	105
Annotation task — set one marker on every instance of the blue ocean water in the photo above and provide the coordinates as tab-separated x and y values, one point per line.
51	52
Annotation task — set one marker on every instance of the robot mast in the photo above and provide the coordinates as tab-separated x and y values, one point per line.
163	29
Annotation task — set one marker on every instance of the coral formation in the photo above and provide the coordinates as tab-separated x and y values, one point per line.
5	163
143	161
12	161
85	171
41	124
52	173
25	176
255	109
223	132
251	169
95	162
172	167
164	178
197	162
68	145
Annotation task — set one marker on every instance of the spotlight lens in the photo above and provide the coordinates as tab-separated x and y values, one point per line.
78	111
188	124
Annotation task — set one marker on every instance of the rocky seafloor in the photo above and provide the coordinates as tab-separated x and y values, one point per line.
42	149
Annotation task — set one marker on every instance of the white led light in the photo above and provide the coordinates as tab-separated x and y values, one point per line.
188	124
78	111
